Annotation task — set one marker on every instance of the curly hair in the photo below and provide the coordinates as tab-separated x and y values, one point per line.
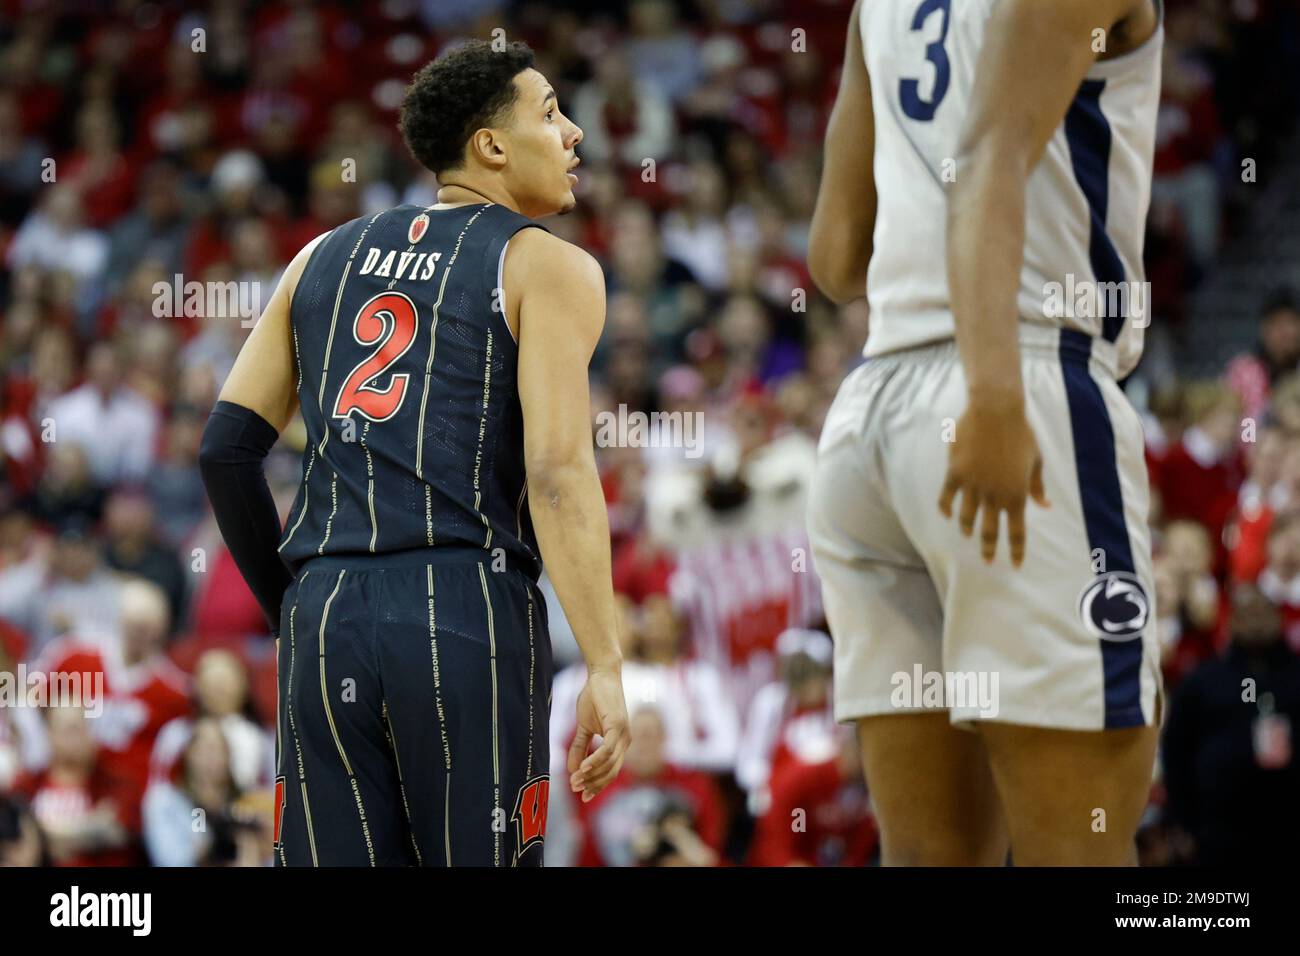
462	91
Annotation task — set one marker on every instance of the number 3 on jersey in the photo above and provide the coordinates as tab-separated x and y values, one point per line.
388	322
909	94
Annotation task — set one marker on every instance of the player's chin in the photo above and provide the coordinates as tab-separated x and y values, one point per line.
566	203
557	203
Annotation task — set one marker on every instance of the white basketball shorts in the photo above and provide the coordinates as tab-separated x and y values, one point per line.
919	620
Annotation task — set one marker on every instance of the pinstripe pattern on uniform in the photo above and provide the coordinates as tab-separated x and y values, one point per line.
401	783
320	397
329	717
433	342
496	748
442	713
293	729
532	676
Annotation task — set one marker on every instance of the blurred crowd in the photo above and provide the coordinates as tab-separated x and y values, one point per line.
152	143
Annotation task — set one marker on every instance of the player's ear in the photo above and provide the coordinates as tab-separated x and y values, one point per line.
488	147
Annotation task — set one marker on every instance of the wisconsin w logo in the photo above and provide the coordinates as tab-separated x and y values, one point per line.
279	812
530	812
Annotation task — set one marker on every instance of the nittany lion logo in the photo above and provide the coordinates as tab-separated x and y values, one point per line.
1115	606
418	225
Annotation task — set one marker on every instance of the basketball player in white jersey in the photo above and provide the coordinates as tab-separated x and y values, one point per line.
987	166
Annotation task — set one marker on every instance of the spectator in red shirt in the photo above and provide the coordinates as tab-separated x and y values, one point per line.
791	721
142	690
1252	375
99	169
1187	599
1200	477
1280	580
83	809
1273	471
651	793
820	814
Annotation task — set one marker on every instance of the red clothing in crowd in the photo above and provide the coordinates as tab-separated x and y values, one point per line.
1248	542
640	569
1199	484
58	807
1195	646
107	192
137	700
819	816
1285	594
226	607
1247	376
738	596
1188	126
619	809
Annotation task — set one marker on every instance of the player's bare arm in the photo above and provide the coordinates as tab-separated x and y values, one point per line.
255	404
1035	57
839	241
561	311
264	375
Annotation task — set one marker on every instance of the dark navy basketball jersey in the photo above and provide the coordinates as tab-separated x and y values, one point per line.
407	382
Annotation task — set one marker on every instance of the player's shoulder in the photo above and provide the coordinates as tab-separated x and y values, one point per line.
352	229
538	254
294	270
299	262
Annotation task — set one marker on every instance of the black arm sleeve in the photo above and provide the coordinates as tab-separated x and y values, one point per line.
235	443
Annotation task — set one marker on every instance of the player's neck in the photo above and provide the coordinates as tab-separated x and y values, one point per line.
462	194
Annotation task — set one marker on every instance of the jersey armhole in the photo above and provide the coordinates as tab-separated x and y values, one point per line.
1106	69
499	301
324	241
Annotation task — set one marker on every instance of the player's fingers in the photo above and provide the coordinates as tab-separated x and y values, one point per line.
598	781
592	790
1036	490
989	530
579	777
970	505
1016	532
578	749
598	760
950	485
593	787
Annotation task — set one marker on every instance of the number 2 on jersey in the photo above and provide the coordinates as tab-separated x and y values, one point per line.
387	321
909	94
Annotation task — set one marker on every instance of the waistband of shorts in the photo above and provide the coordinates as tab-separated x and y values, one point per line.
439	555
1043	341
1070	345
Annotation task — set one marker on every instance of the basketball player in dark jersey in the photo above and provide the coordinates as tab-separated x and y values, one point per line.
439	358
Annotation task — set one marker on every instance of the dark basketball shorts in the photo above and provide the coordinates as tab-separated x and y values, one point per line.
414	695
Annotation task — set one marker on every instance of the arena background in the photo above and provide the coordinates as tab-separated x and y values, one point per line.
144	146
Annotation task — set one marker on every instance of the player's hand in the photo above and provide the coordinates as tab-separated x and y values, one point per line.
602	710
995	464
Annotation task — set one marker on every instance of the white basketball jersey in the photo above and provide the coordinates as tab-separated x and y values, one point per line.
1086	200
